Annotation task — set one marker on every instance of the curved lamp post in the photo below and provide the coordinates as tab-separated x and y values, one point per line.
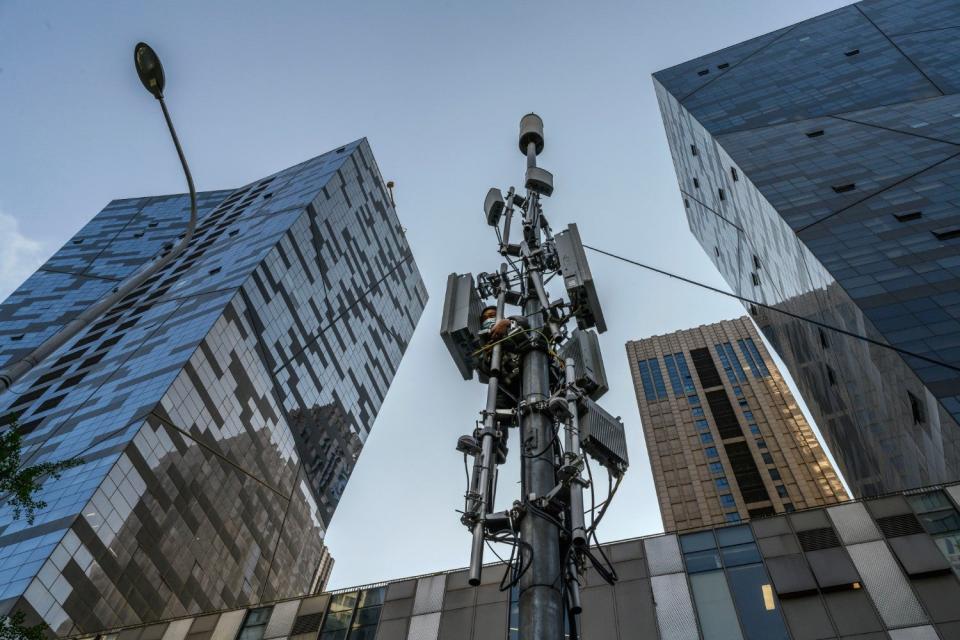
151	75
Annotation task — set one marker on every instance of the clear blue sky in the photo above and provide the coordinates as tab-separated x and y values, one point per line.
438	88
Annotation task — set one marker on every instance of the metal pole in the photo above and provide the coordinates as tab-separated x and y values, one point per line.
541	596
487	441
17	370
578	532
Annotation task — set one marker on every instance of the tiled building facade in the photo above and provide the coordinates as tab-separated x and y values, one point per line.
219	409
725	436
883	569
819	166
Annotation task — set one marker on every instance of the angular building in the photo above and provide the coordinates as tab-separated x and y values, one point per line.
219	409
725	436
820	168
883	569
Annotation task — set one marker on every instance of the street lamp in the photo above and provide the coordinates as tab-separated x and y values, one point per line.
149	69
151	75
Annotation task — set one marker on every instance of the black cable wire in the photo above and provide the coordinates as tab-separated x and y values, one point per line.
795	316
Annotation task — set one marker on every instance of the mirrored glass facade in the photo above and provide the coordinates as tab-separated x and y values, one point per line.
728	442
824	182
785	577
219	409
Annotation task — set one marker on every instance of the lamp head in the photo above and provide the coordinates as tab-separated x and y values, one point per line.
149	69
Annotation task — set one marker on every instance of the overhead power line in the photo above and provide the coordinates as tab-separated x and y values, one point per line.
795	316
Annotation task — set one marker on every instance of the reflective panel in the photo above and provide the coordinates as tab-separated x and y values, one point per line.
886	584
281	620
674	609
734	535
429	595
697	541
718	620
663	555
255	624
424	627
925	632
702	560
756	603
853	523
740	554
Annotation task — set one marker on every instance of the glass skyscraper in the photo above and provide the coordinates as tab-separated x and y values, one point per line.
820	170
219	409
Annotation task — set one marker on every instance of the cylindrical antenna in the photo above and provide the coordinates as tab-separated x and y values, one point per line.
578	532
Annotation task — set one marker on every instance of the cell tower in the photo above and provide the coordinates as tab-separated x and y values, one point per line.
541	378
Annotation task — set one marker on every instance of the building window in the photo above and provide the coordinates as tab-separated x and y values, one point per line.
723	65
723	414
745	472
673	372
693	400
706	369
752	355
732	517
941	521
696	183
767	458
754	429
706	438
702	425
823	338
686	203
734	174
748	415
652	379
693	149
774	474
353	616
723	196
831	378
743	403
782	491
755	278
907	217
254	624
844	188
712	452
761	444
722	483
731	365
756	602
727	501
697	412
946	234
851	53
716	467
815	134
703	72
716	251
756	262
916	408
738	392
788	507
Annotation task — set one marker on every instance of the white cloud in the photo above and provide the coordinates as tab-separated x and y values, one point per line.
19	255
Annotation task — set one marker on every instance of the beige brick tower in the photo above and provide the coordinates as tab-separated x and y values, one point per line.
725	436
